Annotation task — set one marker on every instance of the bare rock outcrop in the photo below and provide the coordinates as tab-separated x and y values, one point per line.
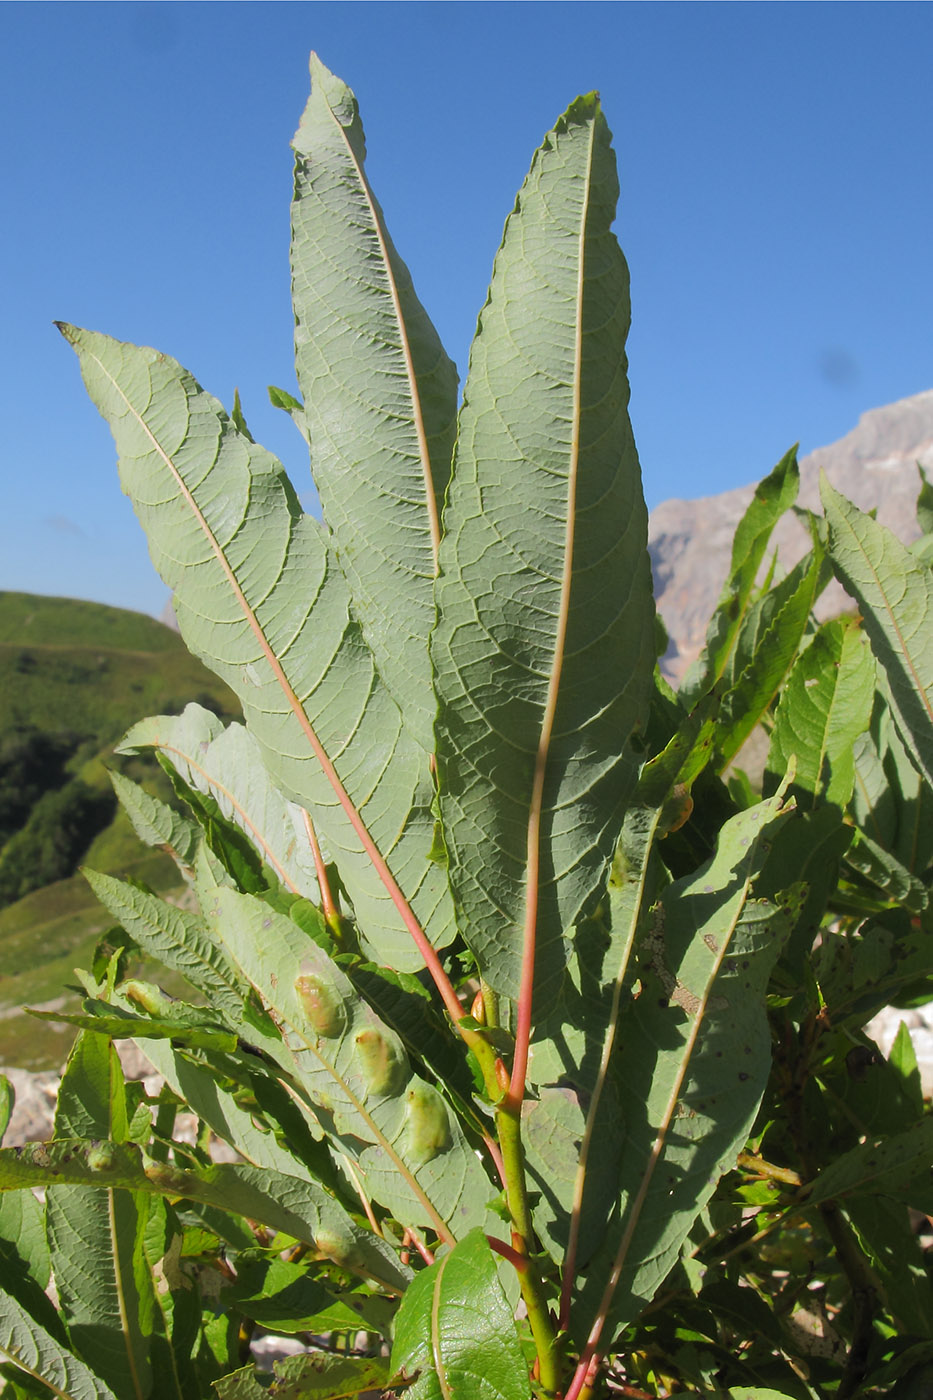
690	542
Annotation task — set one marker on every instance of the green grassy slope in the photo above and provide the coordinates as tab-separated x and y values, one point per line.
71	666
73	677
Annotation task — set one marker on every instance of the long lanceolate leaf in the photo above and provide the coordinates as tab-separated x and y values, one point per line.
895	596
225	764
407	1144
289	1204
825	707
773	496
34	1350
455	1331
543	649
105	1287
259	598
380	395
693	1060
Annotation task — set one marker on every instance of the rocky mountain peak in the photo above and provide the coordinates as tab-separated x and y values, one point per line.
690	542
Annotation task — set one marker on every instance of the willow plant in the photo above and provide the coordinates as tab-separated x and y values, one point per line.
472	1028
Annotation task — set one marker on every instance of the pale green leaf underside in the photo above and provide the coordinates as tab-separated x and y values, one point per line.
181	940
543	649
895	596
380	396
455	1328
34	1350
103	1285
155	822
226	764
295	1206
404	1138
259	599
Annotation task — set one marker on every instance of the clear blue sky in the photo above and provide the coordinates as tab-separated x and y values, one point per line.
776	211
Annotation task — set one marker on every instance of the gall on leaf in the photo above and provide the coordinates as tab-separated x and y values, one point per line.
321	1004
337	1244
382	1062
427	1127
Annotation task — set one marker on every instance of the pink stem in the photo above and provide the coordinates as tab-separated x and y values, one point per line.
518	1261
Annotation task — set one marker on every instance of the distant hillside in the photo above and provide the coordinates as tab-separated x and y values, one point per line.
71	666
875	465
73	677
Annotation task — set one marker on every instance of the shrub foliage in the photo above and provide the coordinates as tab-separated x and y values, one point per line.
536	1029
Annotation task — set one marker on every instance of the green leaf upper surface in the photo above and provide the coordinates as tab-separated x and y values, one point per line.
260	600
36	1351
380	395
455	1328
406	1142
773	496
287	1297
778	623
825	707
925	503
889	1166
693	1059
573	1130
315	1375
895	596
887	1237
544	645
105	1289
216	1106
891	803
281	398
886	872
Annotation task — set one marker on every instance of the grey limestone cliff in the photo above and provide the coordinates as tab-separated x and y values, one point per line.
875	465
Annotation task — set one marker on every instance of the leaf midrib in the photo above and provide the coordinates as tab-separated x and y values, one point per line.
127	1323
418	416
379	1137
215	785
661	1137
576	1214
533	847
379	864
440	1365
